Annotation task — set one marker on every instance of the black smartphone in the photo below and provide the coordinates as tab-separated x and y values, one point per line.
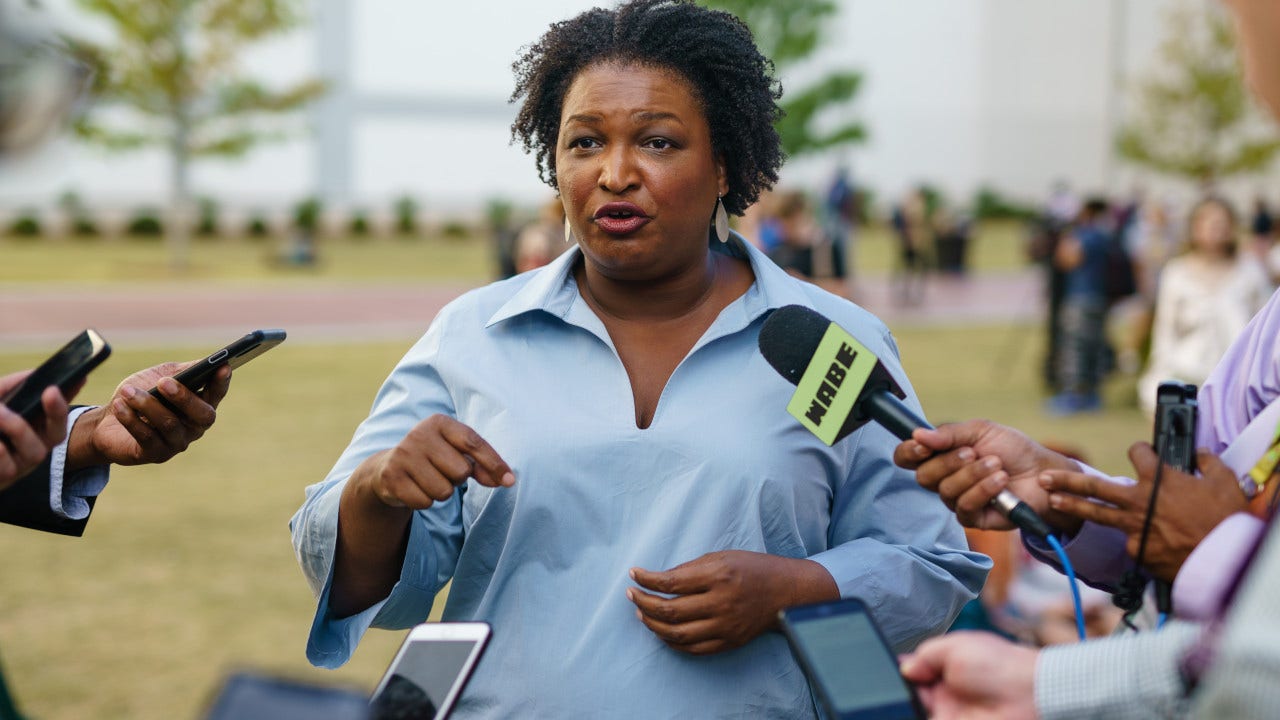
252	696
848	662
236	354
1175	425
65	368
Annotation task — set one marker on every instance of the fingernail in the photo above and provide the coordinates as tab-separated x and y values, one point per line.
168	386
118	406
998	481
1056	501
921	451
631	595
967	454
1045	480
990	463
632	573
639	616
131	392
508	479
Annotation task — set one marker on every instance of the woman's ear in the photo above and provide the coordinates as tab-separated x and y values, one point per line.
722	177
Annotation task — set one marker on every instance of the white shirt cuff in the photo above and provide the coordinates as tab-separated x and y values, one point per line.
68	496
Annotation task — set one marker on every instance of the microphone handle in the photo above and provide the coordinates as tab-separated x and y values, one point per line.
891	413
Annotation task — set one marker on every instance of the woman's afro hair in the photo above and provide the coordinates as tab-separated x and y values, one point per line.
712	50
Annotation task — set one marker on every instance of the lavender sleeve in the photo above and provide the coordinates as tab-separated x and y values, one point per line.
1097	552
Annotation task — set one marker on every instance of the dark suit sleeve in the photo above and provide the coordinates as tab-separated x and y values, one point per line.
26	504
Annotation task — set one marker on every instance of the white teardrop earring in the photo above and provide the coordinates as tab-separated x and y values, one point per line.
721	220
568	231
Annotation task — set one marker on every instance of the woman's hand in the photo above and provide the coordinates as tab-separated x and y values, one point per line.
23	445
967	464
436	456
134	428
1189	507
723	600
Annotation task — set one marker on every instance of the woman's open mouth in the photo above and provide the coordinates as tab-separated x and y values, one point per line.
620	218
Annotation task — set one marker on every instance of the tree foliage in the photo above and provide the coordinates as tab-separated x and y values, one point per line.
1195	117
175	63
789	32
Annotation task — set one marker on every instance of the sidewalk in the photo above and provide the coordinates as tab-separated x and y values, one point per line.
176	314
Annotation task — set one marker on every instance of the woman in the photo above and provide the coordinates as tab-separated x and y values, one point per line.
596	453
1206	296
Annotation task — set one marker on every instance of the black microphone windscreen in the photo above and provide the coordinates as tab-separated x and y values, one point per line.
790	337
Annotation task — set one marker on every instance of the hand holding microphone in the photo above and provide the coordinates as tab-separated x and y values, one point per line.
968	464
841	386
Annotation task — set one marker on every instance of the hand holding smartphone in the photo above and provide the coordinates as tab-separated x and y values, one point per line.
197	375
64	369
429	671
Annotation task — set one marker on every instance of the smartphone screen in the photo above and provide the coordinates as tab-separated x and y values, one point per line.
429	672
847	660
64	369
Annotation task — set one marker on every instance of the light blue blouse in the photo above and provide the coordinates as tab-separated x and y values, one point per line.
530	367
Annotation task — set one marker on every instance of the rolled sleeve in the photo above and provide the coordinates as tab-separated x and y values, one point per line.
333	639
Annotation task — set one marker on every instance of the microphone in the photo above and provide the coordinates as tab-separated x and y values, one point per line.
841	386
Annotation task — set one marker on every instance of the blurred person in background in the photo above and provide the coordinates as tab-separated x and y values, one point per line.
840	220
1153	237
581	449
1262	224
1207	295
542	240
797	233
1082	256
951	240
914	231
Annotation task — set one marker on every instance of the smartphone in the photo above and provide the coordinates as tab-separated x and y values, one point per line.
1175	425
428	673
65	368
236	354
252	696
848	662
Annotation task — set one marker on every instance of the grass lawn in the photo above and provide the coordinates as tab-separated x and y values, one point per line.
186	570
995	247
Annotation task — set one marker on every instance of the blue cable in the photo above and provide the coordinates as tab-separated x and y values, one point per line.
1071	577
1160	619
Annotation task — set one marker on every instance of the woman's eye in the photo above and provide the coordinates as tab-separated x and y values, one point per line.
585	142
659	143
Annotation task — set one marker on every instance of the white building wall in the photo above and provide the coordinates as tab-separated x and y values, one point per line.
959	93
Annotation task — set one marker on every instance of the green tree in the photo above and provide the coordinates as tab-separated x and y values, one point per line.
175	65
1195	119
789	32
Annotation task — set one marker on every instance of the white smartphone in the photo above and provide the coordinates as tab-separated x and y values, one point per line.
429	671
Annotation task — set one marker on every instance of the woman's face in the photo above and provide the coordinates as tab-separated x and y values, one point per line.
636	171
1211	230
